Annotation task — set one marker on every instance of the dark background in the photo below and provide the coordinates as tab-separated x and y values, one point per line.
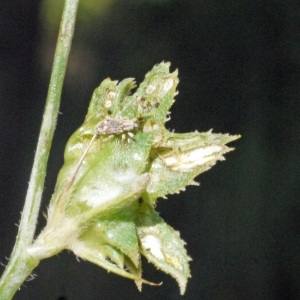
239	70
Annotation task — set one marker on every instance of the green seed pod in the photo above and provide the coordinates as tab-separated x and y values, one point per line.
117	164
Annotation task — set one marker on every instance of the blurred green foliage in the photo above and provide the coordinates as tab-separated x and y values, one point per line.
88	11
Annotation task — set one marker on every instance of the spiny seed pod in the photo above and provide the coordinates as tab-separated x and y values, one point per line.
103	205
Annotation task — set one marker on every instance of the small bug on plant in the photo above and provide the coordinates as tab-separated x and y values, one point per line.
112	126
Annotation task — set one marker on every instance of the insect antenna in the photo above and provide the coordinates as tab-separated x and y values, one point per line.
81	160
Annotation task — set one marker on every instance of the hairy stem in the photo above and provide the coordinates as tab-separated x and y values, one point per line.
21	263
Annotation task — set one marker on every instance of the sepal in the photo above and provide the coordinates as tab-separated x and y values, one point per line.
162	246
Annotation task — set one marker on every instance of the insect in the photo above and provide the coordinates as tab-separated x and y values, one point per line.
110	127
119	125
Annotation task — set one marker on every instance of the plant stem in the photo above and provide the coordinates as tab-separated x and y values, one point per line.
21	263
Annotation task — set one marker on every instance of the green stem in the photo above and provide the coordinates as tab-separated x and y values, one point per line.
21	263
